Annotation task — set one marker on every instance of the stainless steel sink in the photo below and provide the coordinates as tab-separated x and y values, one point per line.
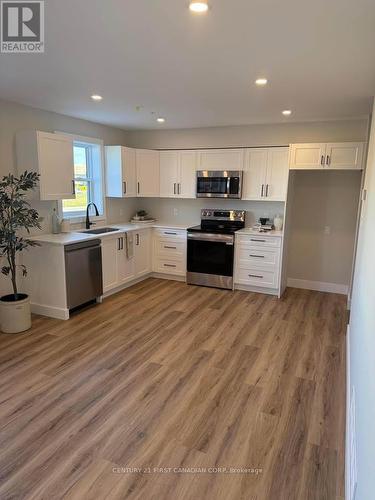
100	230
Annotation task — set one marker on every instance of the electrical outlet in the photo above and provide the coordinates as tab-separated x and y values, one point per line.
175	212
327	230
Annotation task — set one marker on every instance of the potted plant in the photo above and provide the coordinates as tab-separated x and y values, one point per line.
16	217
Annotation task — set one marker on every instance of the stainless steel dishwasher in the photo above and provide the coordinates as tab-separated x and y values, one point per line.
83	271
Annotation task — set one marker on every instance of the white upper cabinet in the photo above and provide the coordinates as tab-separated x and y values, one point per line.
255	174
121	172
148	173
277	177
325	156
50	155
221	159
178	174
306	156
169	173
266	174
344	155
188	174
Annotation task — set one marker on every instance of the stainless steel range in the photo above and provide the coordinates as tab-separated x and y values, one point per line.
210	247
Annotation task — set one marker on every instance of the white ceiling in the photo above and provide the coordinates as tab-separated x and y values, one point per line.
318	55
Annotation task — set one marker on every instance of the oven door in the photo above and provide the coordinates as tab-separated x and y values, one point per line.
210	259
219	184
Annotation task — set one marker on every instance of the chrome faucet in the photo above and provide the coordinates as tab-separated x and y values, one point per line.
88	223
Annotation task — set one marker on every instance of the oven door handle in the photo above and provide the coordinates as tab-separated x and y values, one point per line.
215	238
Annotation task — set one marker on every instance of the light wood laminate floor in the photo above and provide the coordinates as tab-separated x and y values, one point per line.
165	375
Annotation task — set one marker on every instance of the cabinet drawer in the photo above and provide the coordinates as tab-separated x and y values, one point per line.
259	257
170	233
169	266
257	277
253	241
168	247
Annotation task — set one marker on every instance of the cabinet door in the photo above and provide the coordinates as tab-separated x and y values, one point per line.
56	166
169	170
255	174
345	155
110	250
221	159
188	174
125	266
277	174
129	173
143	252
307	156
148	173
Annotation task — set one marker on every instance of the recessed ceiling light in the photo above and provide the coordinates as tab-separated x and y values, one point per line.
261	81
198	7
96	97
287	112
160	120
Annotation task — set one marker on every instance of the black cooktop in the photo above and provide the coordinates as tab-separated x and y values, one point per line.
215	228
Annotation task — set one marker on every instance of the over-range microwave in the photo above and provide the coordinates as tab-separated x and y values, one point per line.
219	184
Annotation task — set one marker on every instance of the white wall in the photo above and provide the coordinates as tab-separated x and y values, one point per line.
188	211
362	335
280	134
323	200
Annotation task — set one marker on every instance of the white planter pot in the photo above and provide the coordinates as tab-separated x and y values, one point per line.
15	317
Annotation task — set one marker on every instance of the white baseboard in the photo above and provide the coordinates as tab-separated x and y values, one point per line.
172	277
50	311
318	286
256	289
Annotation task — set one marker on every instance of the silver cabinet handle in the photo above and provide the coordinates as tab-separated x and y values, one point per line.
261	194
328	160
166	232
137	239
122	243
118	244
138	188
257	256
322	160
170	248
169	265
255	276
124	187
179	188
267	190
73	187
174	188
259	241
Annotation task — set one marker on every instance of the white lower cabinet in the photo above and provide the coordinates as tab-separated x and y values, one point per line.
169	251
142	252
258	262
118	268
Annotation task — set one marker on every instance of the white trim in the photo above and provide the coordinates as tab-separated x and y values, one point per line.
76	219
257	289
347	430
50	311
171	277
319	286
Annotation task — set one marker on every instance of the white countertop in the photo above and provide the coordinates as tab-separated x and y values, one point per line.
250	231
80	235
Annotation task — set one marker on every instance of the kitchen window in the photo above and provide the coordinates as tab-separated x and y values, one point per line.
88	179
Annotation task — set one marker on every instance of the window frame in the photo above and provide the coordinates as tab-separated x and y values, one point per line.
75	217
